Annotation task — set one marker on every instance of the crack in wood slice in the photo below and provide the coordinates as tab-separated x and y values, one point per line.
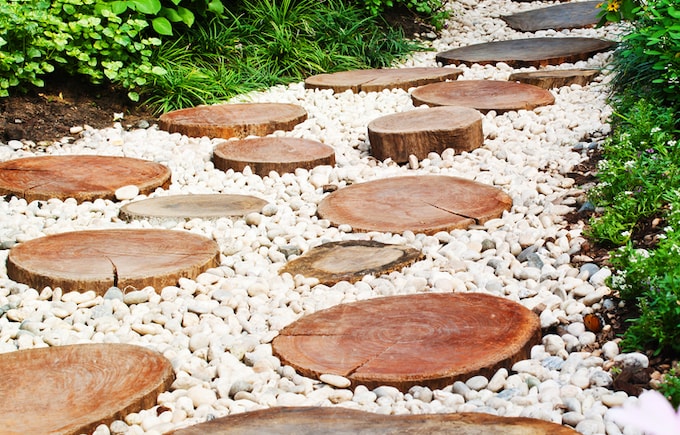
375	80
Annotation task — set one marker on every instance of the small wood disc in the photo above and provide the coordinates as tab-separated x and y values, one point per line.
375	80
192	206
351	260
430	339
557	17
233	120
73	389
555	78
100	259
83	177
422	204
483	95
519	53
266	154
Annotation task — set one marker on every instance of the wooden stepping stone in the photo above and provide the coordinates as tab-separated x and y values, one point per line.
555	78
558	17
100	259
375	80
339	420
351	260
73	389
233	120
428	339
520	53
192	206
422	204
420	132
266	154
483	95
82	177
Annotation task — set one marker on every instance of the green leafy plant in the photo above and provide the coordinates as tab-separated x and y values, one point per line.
670	386
614	11
431	10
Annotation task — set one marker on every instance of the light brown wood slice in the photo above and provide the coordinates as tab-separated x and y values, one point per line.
420	132
375	80
430	339
233	120
351	260
555	78
557	17
519	53
99	259
266	154
192	206
73	389
483	95
422	204
82	177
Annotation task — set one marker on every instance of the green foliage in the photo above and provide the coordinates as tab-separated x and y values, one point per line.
670	386
432	10
614	11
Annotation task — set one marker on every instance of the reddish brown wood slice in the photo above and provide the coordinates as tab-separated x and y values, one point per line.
99	259
430	339
483	95
233	120
555	78
192	206
420	132
82	177
557	17
73	389
375	80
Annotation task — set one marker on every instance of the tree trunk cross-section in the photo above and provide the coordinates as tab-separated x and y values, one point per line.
422	204
558	17
72	389
555	78
429	339
100	259
375	80
82	177
233	120
351	260
420	132
192	206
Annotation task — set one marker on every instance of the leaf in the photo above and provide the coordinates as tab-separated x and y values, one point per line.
171	15
118	7
151	7
216	7
134	96
673	12
187	16
162	26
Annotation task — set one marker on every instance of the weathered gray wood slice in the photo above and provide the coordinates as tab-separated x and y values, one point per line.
82	177
375	80
192	206
483	95
351	260
430	339
555	78
233	120
266	154
519	53
557	17
73	389
100	259
420	132
422	204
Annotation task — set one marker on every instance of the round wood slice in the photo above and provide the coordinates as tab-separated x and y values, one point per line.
266	154
82	177
99	259
375	80
483	95
422	204
430	339
73	389
558	17
351	260
233	120
519	53
420	132
192	206
555	78
339	420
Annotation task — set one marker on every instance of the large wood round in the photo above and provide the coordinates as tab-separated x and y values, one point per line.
351	260
192	206
483	95
422	204
375	80
431	339
82	177
73	389
233	120
526	52
557	17
266	154
555	78
99	259
420	132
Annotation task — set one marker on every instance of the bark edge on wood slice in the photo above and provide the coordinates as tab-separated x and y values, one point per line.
557	17
233	120
422	131
375	80
204	206
555	78
72	389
